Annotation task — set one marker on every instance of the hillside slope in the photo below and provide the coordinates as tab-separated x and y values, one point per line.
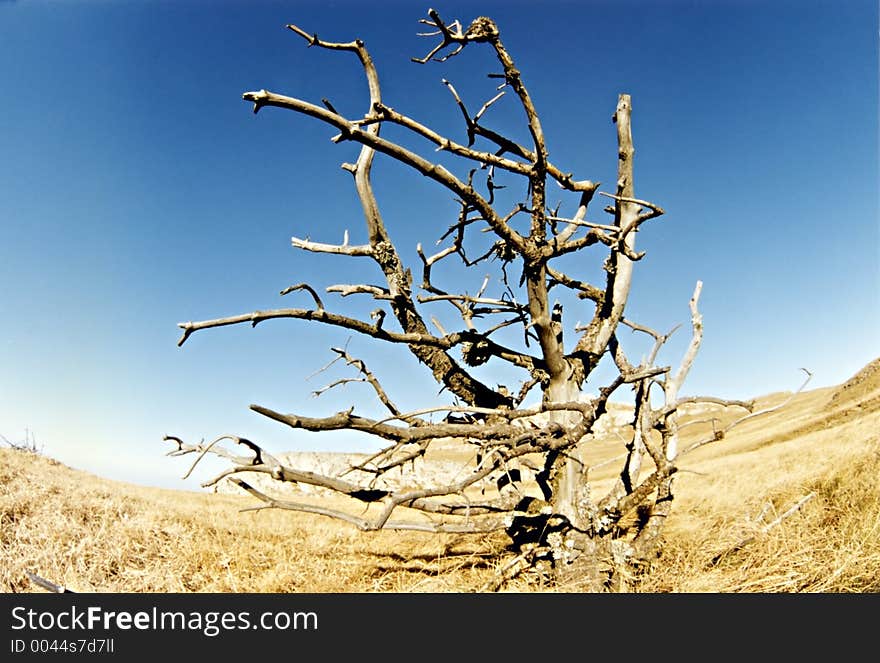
93	534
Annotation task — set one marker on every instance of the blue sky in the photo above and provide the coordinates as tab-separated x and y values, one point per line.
137	190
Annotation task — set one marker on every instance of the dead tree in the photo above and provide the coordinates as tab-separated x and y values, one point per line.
554	520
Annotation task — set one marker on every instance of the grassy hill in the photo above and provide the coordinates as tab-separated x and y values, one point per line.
93	534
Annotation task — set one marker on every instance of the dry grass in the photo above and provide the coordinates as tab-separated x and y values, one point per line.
831	544
93	534
821	444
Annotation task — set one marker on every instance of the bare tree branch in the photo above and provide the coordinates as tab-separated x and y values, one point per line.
48	584
431	170
311	291
369	377
598	334
385	113
720	434
749	539
360	289
324	317
344	249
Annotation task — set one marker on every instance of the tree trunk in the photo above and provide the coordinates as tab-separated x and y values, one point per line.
576	555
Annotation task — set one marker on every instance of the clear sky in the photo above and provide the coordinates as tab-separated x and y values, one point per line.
137	190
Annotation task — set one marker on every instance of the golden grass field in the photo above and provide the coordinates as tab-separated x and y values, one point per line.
96	535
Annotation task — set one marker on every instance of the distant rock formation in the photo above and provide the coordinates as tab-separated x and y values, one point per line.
445	462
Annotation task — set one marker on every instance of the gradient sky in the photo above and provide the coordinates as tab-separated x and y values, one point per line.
137	190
